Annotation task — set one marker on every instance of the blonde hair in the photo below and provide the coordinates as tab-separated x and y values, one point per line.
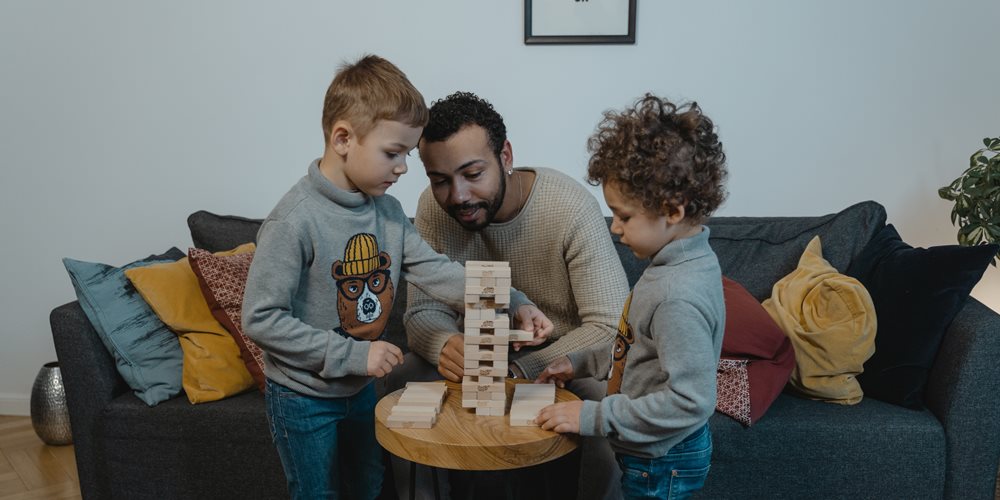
370	90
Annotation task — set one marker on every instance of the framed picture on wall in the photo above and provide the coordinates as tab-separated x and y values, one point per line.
579	21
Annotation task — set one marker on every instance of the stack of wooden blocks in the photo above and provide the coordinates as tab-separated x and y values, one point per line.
418	406
487	332
528	400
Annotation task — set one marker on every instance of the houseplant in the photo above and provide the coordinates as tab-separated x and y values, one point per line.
976	194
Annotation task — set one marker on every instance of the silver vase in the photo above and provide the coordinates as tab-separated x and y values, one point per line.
49	413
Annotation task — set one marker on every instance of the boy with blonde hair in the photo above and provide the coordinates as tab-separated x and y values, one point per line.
321	286
662	170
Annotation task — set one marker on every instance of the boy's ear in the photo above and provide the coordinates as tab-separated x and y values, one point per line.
675	212
341	135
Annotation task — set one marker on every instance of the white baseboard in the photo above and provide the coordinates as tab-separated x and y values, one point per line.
15	404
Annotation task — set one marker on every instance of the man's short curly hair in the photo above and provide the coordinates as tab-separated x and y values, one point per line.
662	155
458	110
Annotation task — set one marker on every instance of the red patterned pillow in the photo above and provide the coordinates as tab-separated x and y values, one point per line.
223	279
734	389
752	336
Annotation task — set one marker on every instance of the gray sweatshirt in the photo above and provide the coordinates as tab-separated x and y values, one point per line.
665	355
321	285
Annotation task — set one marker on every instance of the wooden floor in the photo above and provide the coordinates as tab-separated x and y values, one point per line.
31	469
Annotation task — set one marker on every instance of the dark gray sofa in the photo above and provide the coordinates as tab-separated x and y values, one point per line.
799	449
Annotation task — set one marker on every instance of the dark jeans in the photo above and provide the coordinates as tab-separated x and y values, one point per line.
327	446
678	474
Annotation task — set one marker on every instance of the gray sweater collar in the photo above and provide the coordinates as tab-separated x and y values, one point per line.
683	250
324	189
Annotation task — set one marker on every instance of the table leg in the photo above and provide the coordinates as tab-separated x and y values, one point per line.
413	480
434	480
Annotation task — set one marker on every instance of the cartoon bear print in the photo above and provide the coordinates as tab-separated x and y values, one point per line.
623	341
364	288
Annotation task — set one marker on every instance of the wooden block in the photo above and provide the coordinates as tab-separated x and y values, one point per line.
410	422
521	336
501	283
494	396
486	339
432	387
535	392
490	412
482	363
414	410
499	321
472	313
489	352
492	371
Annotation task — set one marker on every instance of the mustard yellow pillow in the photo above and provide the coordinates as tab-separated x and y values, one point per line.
213	368
830	319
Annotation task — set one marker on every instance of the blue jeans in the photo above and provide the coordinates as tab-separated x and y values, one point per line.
678	474
327	446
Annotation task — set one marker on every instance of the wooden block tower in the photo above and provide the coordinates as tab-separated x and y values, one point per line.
487	332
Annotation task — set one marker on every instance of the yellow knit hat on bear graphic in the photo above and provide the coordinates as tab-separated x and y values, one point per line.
361	255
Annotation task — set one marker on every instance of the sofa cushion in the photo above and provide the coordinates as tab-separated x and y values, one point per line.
830	320
146	352
758	251
217	233
223	280
917	293
768	357
213	369
811	449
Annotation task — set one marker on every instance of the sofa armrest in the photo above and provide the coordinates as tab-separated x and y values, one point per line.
961	392
91	381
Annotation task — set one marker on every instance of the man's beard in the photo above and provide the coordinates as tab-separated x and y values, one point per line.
490	207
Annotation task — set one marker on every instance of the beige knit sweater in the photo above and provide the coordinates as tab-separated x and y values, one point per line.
561	255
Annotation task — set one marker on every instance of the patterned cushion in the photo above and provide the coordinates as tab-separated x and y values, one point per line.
223	279
146	352
213	369
734	389
752	336
830	320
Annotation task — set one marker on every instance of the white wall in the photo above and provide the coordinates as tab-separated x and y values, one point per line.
119	118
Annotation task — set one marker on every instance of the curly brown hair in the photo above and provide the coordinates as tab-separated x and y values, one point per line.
663	155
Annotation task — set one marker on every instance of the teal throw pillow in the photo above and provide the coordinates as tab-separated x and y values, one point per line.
147	354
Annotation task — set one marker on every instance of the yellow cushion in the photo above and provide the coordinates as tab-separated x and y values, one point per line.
213	369
830	319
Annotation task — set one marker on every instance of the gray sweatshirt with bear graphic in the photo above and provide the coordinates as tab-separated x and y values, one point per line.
323	279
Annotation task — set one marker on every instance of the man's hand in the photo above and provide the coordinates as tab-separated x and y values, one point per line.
561	417
531	319
451	362
382	357
560	371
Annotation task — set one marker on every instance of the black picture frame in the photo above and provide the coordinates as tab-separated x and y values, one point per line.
578	38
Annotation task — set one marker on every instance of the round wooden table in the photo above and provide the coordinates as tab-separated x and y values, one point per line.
463	440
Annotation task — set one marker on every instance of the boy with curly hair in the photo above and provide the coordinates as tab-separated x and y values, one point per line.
662	169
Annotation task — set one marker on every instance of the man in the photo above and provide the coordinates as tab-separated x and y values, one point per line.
546	225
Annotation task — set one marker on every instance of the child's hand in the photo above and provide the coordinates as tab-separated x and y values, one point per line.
382	356
561	417
531	319
560	370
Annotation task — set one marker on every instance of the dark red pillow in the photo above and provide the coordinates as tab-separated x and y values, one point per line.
223	279
753	336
